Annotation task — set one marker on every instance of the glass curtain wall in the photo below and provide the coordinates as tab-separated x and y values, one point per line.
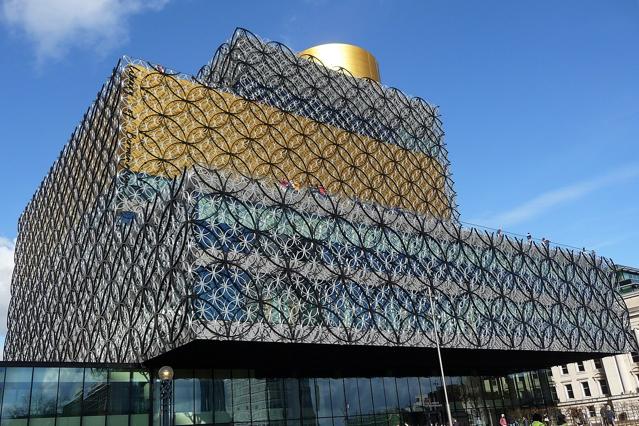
74	396
238	397
91	396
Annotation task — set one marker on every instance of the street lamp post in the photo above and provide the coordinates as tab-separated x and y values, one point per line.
165	374
439	355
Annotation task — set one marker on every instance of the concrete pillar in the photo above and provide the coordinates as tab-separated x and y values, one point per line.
629	383
613	377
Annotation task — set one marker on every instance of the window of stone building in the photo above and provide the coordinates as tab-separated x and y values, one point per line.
564	369
598	363
591	411
603	384
581	366
585	386
569	392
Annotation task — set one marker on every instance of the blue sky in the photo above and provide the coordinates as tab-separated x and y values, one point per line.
539	99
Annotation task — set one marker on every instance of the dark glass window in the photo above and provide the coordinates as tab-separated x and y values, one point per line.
535	381
598	363
506	392
70	396
569	392
603	384
292	395
564	369
580	366
44	393
15	399
585	386
307	398
276	400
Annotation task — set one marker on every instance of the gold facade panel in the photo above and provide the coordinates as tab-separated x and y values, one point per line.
175	123
359	62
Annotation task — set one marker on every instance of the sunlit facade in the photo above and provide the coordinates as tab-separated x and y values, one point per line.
585	388
285	235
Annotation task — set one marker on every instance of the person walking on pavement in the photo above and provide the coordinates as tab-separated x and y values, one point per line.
609	416
502	420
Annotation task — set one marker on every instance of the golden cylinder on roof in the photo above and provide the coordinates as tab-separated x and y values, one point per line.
358	61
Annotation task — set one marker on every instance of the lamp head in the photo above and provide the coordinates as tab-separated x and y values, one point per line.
165	373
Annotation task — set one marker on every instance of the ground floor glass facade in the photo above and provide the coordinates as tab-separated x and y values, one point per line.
72	395
240	397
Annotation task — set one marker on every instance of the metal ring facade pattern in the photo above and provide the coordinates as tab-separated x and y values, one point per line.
270	199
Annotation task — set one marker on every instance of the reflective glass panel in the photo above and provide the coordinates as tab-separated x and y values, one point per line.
323	395
156	401
203	397
241	396
44	394
259	400
1	385
292	389
183	392
418	401
338	401
95	396
403	395
70	396
222	396
307	398
119	392
140	398
352	397
15	399
379	399
276	396
390	392
453	387
140	388
365	396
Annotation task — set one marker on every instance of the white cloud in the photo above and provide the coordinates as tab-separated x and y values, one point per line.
548	200
55	26
7	248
